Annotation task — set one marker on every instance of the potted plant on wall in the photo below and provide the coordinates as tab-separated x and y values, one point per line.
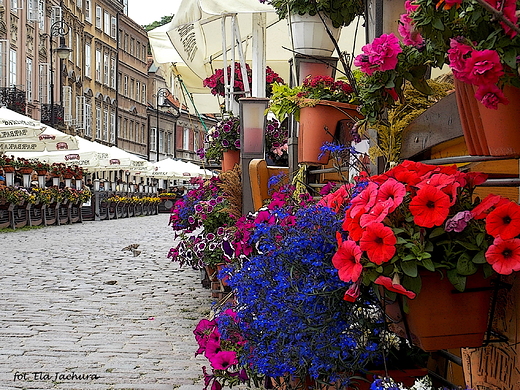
223	143
416	231
480	41
308	18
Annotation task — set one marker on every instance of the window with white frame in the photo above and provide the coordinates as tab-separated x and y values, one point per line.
125	128
153	131
4	63
88	11
161	141
88	60
79	4
125	86
105	124
12	67
131	135
78	49
98	16
56	14
113	27
98	65
143	94
16	5
132	90
169	143
88	118
132	46
186	138
32	11
29	79
119	82
67	105
98	122
112	127
43	87
80	112
106	67
41	14
113	72
141	135
138	91
106	24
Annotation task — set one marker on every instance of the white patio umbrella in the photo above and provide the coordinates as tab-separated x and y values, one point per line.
170	169
21	133
119	159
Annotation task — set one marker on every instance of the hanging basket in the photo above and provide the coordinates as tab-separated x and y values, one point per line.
229	159
318	125
441	317
25	170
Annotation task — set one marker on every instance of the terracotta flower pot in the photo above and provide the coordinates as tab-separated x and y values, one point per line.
469	113
318	125
229	159
8	168
25	170
441	317
501	125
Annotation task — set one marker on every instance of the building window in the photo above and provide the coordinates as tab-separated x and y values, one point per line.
32	11
143	94
161	141
113	72
80	112
131	136
67	104
43	88
138	91
113	27
132	84
105	125
41	14
153	131
106	25
106	72
88	11
98	16
29	80
78	49
12	67
112	127
169	143
88	118
98	65
88	60
141	136
98	122
186	138
125	86
125	128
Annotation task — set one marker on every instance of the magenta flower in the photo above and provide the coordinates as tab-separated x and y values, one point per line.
223	360
457	56
380	55
490	96
459	221
484	67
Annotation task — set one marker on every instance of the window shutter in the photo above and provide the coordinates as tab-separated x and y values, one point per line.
80	112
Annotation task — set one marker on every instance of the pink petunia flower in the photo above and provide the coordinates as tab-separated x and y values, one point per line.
483	67
380	55
490	96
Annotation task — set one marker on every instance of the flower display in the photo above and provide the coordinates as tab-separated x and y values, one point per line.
422	217
216	81
225	135
478	39
289	296
276	135
200	220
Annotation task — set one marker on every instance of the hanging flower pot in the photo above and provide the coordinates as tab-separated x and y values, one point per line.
229	159
501	125
318	125
469	113
8	168
441	317
25	170
310	36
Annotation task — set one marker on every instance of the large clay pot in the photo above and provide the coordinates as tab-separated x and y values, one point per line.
229	159
470	120
310	36
501	125
318	125
441	317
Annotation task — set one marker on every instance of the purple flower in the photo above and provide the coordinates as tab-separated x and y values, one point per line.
458	222
210	236
225	143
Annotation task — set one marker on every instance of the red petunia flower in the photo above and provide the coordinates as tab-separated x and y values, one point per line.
347	261
504	221
365	200
484	208
351	224
352	293
430	207
504	255
377	213
392	189
379	242
388	283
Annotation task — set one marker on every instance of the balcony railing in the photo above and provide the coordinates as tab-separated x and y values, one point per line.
13	98
58	115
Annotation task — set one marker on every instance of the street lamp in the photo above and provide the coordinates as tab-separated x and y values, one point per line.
164	93
58	29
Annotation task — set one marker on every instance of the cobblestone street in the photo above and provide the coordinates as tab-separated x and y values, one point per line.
77	312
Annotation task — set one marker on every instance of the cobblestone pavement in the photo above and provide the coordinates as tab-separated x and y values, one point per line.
77	312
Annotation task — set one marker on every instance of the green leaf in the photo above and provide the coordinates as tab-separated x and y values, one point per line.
465	266
488	270
409	268
437	232
413	284
437	23
428	264
479	258
458	281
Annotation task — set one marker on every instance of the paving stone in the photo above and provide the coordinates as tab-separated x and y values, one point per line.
59	315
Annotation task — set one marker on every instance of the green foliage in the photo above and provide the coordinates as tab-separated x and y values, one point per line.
164	20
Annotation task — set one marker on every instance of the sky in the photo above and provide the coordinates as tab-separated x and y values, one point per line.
144	12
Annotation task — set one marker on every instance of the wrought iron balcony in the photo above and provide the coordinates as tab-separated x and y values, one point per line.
13	98
58	115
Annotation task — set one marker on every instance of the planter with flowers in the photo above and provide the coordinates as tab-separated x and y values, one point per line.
216	81
318	104
276	136
480	42
223	143
417	229
312	21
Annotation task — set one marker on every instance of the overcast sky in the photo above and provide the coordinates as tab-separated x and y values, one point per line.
144	12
